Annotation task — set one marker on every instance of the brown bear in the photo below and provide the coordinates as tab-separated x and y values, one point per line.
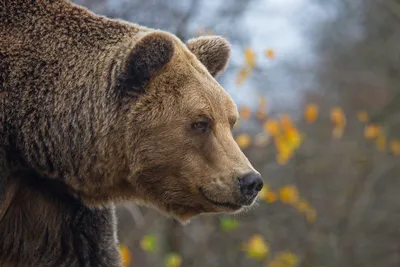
96	111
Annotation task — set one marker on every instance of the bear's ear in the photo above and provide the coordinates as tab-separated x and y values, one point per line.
149	55
212	51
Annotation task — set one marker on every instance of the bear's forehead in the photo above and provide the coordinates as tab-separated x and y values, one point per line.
197	88
208	97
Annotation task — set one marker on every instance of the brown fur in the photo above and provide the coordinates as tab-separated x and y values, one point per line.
96	111
211	51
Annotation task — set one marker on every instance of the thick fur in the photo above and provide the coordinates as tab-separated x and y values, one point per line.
95	111
45	226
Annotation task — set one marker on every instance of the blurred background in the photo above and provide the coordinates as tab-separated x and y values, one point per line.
317	84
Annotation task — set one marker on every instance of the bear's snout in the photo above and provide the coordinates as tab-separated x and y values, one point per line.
250	184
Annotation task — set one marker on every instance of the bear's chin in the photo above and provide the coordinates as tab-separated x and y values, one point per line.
184	213
185	216
185	219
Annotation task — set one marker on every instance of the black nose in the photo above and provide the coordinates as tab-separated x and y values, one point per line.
250	184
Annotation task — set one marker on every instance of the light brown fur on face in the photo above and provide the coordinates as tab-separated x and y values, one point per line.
187	173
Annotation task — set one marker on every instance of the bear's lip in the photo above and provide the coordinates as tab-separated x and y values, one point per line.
248	201
219	203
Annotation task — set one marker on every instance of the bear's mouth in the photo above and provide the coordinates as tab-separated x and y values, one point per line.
230	205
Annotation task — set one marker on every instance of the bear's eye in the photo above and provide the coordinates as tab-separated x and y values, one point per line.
201	126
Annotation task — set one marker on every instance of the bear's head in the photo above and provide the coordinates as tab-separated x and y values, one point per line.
179	142
169	144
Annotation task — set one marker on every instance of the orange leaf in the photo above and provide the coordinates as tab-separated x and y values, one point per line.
243	140
272	127
337	117
362	116
245	113
250	58
242	76
372	131
269	53
286	122
126	256
311	113
271	197
395	147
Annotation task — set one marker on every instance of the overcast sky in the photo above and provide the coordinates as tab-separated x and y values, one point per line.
284	26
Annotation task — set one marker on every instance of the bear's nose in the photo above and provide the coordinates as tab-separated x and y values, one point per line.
250	184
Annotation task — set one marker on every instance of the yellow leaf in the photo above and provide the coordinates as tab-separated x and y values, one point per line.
173	260
271	197
263	193
250	58
293	138
289	194
362	116
286	122
126	256
283	158
395	147
338	118
283	145
290	258
243	140
245	113
269	53
372	131
381	142
272	127
284	151
242	76
302	206
291	135
256	247
148	243
311	113
284	259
